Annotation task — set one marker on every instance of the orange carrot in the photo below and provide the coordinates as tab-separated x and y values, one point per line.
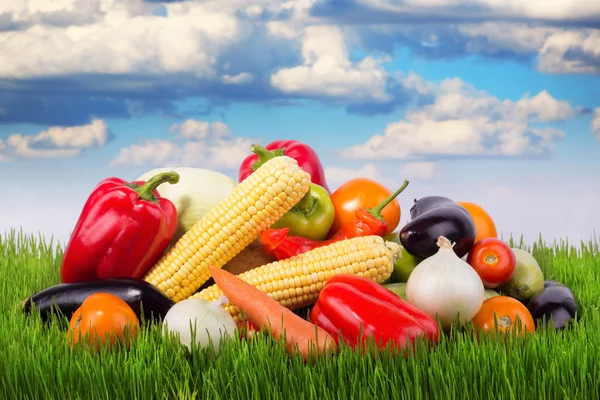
266	313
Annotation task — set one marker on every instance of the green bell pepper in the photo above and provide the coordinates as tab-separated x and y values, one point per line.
311	217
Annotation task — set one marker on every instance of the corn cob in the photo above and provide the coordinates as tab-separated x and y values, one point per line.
295	282
235	222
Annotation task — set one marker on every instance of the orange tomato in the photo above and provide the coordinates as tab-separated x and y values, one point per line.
484	224
505	310
363	192
102	317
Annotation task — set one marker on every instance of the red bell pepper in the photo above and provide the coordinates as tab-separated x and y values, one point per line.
278	244
306	156
359	309
122	231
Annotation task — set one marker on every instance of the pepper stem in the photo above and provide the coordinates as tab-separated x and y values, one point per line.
305	202
264	155
376	211
146	191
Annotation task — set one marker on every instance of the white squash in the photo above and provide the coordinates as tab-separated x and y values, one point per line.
197	191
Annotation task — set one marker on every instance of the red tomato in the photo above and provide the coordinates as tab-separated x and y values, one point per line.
363	192
493	260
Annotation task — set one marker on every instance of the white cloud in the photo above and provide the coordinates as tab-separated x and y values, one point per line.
421	171
596	123
328	71
576	51
59	141
519	38
70	12
466	122
206	145
558	10
150	151
124	43
239	79
544	108
200	130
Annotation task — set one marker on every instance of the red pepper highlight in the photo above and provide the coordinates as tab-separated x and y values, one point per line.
306	156
122	231
358	309
280	245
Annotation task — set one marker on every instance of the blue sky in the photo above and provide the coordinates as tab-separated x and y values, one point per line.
479	100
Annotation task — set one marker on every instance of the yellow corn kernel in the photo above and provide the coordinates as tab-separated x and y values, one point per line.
235	222
296	282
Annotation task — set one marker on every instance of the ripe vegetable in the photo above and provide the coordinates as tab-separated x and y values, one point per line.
368	222
435	216
197	192
484	224
501	313
311	217
199	322
363	192
234	223
122	231
305	156
296	282
493	260
555	301
66	298
103	317
526	280
359	310
404	266
445	286
266	313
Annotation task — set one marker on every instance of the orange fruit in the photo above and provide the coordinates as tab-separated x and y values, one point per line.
500	314
484	224
102	317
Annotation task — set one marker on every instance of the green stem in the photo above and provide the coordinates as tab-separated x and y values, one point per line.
376	211
264	155
146	191
306	202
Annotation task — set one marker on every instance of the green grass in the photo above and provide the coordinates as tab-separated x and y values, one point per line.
36	363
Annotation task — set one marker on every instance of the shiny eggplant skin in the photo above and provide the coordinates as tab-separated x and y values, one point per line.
66	298
429	203
555	301
436	216
548	284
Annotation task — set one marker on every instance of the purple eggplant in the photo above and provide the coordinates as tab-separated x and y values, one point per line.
144	298
435	216
555	301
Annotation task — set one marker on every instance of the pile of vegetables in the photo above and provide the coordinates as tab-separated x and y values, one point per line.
448	268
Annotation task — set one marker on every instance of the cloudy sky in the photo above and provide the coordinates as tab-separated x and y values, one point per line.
495	102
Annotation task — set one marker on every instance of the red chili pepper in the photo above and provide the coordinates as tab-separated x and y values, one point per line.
122	231
368	222
307	159
359	309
